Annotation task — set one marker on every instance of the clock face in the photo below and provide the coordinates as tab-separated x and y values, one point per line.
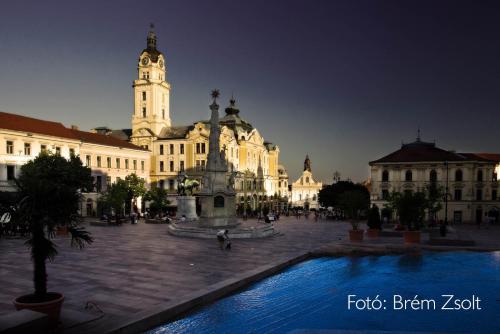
161	63
145	61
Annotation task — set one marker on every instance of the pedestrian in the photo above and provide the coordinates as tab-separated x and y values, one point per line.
183	218
223	239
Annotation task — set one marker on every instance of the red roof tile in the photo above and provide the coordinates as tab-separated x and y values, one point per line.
33	125
55	129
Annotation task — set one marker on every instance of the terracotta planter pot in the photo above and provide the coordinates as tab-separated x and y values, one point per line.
52	307
62	231
373	233
356	235
411	237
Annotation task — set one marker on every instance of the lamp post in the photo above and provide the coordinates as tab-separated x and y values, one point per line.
446	196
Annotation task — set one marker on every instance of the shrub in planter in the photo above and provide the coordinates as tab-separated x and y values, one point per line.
355	234
374	222
50	189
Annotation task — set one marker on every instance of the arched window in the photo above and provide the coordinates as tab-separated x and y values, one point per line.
408	176
433	176
385	176
459	176
307	179
480	175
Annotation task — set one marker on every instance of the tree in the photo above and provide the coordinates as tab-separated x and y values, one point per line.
115	196
50	190
354	203
435	197
330	194
158	199
410	207
136	187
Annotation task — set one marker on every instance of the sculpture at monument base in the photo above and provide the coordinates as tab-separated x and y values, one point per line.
186	202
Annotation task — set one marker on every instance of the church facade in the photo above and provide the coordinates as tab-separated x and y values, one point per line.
305	190
184	148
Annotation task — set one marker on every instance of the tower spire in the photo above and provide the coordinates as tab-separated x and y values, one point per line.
418	134
151	37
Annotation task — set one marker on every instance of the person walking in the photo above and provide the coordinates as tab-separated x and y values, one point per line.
223	239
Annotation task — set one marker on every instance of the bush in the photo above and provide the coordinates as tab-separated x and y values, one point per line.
374	221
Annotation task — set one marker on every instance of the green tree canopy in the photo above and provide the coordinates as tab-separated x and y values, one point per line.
330	195
158	199
50	190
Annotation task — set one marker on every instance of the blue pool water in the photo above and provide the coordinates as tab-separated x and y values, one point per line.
313	295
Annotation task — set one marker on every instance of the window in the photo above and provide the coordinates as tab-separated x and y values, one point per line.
161	166
202	147
459	176
27	149
161	184
408	176
98	161
58	150
10	147
161	149
108	162
202	165
117	162
198	148
479	194
171	148
11	172
198	165
385	194
458	194
98	183
71	152
108	181
385	176
88	160
43	148
144	112
126	163
480	175
433	176
135	164
142	166
171	184
181	148
181	166
307	179
163	113
494	194
144	96
171	166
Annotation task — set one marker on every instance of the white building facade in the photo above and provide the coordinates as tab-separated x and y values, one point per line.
23	138
305	190
471	179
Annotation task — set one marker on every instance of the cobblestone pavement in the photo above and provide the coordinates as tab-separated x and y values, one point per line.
130	268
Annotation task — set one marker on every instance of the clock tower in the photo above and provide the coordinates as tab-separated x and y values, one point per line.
151	94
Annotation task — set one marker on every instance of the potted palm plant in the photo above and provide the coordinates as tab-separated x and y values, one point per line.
374	222
50	189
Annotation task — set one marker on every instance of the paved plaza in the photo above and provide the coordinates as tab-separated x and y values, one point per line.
132	268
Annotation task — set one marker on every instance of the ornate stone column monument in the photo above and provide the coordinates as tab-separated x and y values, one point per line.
217	195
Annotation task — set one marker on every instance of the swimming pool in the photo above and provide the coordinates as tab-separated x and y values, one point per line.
314	295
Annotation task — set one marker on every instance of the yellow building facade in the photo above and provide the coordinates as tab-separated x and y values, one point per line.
175	149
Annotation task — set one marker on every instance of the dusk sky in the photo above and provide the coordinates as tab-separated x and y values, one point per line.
342	81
